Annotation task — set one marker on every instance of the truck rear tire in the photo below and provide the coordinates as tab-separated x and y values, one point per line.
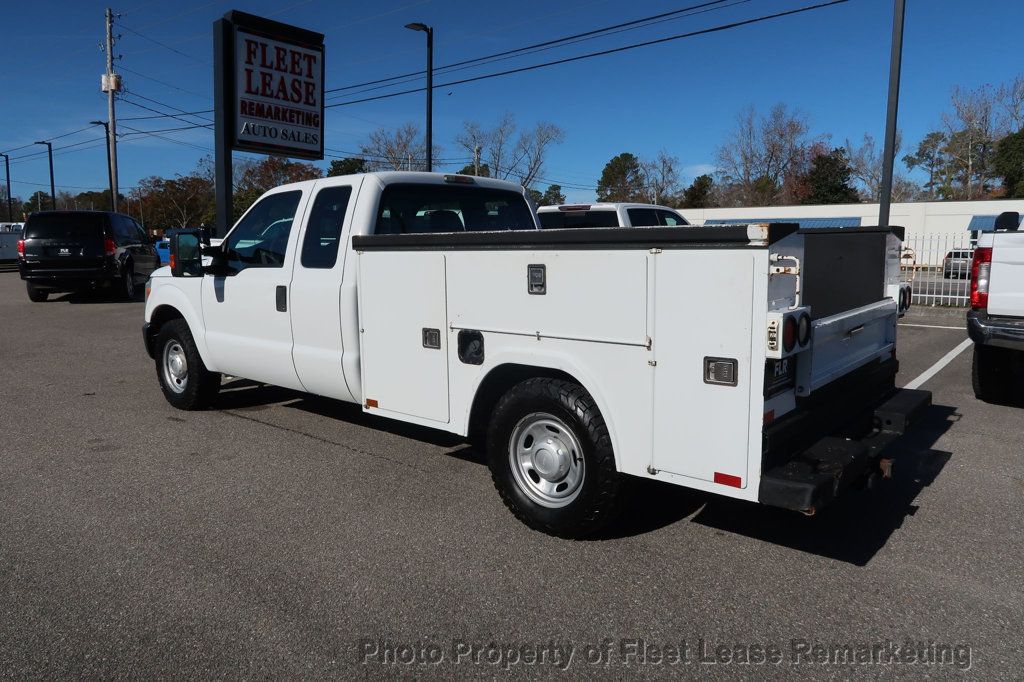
551	458
126	285
991	374
183	377
36	295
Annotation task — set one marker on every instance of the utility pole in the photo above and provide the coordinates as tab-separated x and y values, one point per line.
476	160
10	205
889	150
111	86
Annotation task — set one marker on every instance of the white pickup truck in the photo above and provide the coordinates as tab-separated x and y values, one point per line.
719	359
996	320
608	214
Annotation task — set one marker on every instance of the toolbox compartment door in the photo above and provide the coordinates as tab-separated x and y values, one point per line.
702	429
403	340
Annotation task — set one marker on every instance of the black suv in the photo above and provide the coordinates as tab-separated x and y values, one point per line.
83	250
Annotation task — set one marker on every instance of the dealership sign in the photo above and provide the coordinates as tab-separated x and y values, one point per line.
273	77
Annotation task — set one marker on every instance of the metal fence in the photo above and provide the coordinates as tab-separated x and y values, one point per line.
938	268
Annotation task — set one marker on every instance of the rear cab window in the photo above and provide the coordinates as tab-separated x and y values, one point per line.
642	217
422	208
572	219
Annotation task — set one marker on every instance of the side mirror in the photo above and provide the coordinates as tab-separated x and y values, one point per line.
186	258
1008	220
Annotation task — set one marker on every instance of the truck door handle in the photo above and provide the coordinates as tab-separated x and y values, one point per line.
282	298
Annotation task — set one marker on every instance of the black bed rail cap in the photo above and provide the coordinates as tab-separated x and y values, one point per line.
683	237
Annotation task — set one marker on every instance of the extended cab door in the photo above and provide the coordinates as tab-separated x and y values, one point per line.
316	295
248	328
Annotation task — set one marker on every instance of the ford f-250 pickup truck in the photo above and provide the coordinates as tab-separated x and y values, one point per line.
996	320
721	359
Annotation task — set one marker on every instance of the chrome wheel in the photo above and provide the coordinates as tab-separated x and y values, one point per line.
546	460
175	366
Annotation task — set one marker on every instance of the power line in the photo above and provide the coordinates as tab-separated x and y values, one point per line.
449	70
589	55
145	118
157	111
157	80
546	43
163	45
167	139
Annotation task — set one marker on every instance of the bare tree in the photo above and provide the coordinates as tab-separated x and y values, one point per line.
972	130
395	149
759	154
1011	100
661	177
867	163
508	156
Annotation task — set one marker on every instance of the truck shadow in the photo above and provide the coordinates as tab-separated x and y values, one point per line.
851	530
859	523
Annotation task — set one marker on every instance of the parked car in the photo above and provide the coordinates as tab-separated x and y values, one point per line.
434	300
608	215
996	320
957	264
163	250
83	250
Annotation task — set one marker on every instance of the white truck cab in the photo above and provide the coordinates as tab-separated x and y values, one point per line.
568	355
608	214
996	320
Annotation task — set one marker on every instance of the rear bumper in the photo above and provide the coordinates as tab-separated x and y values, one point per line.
66	278
988	330
836	439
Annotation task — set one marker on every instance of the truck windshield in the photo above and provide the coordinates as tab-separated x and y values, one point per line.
559	219
65	225
411	208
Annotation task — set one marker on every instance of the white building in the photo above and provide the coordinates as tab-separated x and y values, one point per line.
953	219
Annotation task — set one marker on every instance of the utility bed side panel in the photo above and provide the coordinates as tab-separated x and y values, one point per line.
709	431
403	340
584	295
1006	284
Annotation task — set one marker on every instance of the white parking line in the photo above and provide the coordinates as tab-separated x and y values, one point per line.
930	326
937	367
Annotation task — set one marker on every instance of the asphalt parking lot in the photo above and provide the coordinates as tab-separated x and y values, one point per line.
283	535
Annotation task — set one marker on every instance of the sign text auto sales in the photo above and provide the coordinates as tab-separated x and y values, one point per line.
279	96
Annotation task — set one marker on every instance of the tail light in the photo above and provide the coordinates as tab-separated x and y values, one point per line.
21	249
789	333
981	270
109	247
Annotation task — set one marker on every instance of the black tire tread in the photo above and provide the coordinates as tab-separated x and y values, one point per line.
203	385
36	295
606	501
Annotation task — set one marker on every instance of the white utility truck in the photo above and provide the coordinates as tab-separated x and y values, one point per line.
996	320
723	359
608	214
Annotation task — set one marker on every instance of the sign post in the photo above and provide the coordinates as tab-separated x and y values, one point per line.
268	96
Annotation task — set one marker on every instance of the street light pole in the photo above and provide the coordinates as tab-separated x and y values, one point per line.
430	90
889	150
110	166
10	205
53	190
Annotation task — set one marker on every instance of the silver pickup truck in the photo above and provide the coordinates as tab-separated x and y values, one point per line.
996	320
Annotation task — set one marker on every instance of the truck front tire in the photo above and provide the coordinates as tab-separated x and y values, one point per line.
992	374
183	377
551	458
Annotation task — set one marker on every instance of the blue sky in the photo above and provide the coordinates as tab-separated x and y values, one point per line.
680	96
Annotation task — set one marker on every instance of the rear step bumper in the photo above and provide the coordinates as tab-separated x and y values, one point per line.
819	474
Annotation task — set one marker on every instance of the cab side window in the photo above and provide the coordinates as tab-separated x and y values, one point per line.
323	232
260	240
123	231
642	217
670	219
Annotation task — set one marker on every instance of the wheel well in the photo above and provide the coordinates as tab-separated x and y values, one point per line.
161	316
495	384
